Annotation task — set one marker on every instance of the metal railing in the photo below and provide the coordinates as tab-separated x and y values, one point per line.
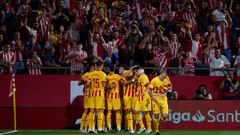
148	70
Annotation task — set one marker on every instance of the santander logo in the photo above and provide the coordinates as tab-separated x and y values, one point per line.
211	116
198	117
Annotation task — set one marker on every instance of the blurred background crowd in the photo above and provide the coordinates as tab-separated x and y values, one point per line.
185	35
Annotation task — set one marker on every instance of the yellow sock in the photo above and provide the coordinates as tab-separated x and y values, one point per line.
100	120
118	120
83	122
104	122
156	124
87	122
139	119
126	121
148	121
109	124
91	120
134	121
130	121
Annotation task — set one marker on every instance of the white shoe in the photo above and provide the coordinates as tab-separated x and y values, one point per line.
106	130
131	131
119	130
92	131
141	130
148	131
83	130
100	130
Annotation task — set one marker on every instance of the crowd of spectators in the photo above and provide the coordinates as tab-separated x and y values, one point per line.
182	34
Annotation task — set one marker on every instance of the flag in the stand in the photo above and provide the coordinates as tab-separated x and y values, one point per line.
138	6
12	85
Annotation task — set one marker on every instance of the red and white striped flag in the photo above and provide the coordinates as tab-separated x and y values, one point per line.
12	85
138	6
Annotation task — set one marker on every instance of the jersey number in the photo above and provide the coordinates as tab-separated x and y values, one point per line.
96	82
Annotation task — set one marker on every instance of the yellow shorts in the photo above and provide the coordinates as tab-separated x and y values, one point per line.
113	104
144	105
160	105
99	102
90	102
129	102
86	102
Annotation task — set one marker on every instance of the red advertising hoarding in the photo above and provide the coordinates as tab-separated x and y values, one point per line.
52	102
202	114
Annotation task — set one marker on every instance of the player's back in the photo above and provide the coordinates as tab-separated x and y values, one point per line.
113	80
142	85
98	79
129	89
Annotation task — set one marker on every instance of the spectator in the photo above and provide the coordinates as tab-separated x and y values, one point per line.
189	64
198	95
172	95
7	60
17	48
202	94
115	23
236	19
230	86
218	62
237	63
77	58
224	38
50	61
220	12
34	64
1	42
203	90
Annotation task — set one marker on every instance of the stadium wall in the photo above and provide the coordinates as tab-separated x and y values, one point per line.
54	102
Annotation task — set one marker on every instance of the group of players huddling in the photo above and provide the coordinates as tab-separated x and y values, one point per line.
130	92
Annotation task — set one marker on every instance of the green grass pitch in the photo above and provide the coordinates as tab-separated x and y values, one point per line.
75	132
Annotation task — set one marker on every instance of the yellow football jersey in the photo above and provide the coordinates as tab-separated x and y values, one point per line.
113	79
142	84
156	86
86	77
98	79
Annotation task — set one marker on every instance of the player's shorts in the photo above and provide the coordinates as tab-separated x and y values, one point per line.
99	102
160	105
144	105
90	102
86	102
129	102
113	104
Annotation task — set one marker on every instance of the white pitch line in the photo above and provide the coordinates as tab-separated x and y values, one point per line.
9	132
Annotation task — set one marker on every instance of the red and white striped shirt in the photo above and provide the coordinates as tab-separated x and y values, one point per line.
197	49
17	53
175	48
189	66
224	38
75	58
192	17
34	66
7	57
162	58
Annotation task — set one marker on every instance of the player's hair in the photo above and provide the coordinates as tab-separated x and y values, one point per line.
160	71
124	66
111	68
99	63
